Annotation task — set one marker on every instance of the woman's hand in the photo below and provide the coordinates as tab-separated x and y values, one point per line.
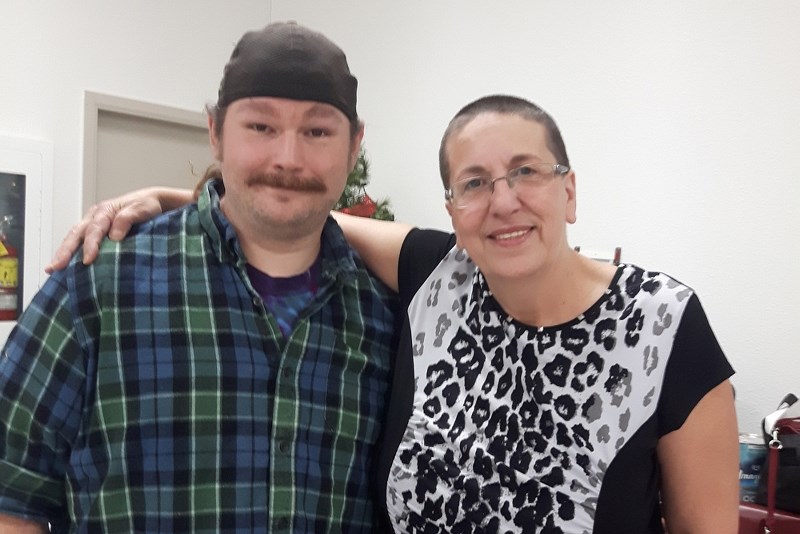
115	218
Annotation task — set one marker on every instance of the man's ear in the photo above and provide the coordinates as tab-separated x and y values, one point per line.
213	139
355	146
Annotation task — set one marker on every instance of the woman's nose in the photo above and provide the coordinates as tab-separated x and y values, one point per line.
503	197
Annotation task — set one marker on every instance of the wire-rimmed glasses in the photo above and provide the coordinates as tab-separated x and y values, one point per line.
477	190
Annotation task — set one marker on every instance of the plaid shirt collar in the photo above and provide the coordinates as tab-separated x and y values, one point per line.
338	264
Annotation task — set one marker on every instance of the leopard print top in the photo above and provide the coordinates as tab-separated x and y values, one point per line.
513	428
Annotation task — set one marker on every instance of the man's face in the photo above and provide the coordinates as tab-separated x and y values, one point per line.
284	164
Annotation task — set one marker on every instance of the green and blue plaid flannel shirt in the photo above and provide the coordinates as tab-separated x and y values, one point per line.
152	392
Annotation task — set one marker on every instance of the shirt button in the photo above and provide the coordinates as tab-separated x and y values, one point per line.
282	522
283	446
287	372
256	302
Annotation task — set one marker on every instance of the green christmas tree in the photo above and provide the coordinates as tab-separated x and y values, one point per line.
356	201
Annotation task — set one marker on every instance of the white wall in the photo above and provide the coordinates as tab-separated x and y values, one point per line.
51	51
682	120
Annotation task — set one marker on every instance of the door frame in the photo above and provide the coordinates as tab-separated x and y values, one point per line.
94	103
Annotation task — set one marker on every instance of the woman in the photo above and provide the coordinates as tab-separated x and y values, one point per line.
536	390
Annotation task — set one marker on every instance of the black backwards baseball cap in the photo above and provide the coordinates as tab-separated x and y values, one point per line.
287	60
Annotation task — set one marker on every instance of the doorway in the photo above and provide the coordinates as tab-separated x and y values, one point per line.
130	144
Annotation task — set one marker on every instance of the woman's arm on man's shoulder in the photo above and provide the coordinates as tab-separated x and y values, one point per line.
377	242
114	218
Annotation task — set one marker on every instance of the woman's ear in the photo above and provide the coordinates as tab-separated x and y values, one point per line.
213	139
451	211
569	187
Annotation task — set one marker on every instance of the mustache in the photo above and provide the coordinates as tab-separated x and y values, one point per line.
287	181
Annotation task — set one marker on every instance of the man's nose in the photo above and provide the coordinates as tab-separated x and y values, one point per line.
288	153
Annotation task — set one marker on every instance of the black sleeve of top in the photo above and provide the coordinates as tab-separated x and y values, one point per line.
696	365
421	252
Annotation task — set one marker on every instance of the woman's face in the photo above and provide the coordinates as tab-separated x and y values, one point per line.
520	230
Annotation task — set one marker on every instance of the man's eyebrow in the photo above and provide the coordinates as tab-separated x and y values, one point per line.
321	111
258	105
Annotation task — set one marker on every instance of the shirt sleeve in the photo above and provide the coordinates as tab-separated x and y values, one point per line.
696	365
421	252
41	398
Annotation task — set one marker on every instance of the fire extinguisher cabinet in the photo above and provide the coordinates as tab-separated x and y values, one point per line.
12	236
25	224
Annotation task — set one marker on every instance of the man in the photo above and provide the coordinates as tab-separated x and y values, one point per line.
225	367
